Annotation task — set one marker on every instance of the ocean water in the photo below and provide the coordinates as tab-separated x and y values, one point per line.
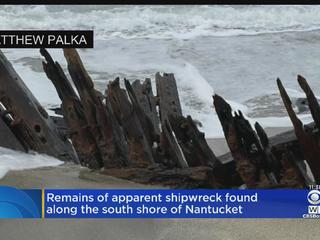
234	51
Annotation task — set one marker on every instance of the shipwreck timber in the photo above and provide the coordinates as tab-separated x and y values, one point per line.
130	133
26	118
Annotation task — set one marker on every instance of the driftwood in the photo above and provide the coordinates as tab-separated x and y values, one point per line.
30	123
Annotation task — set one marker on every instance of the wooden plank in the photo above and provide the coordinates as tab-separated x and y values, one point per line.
147	101
169	107
31	123
175	149
193	143
140	151
167	92
140	109
152	101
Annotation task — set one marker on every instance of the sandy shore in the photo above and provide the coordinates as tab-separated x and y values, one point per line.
67	176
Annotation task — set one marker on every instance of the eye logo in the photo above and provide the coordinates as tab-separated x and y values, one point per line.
314	197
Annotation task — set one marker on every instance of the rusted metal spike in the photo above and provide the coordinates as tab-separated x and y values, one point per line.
312	100
307	142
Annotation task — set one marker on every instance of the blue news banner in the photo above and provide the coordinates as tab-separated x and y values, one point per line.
134	203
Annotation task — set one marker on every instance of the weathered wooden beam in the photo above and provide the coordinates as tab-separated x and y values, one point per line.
60	124
31	124
145	120
277	143
112	152
169	107
307	141
312	101
185	178
193	143
152	103
254	149
172	147
197	152
167	92
247	170
72	110
291	173
270	164
147	101
140	151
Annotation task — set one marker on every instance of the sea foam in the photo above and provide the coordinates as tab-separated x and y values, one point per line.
183	22
15	160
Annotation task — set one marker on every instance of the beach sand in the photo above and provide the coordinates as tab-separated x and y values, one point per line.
67	176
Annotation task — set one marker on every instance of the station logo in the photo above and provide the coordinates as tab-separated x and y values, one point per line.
313	198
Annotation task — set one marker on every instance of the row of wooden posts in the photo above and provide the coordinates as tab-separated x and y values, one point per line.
129	132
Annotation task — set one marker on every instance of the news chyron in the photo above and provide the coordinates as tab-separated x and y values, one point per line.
47	39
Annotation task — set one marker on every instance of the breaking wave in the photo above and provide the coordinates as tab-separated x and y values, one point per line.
182	22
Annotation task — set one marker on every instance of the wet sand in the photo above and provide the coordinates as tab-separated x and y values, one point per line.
67	176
